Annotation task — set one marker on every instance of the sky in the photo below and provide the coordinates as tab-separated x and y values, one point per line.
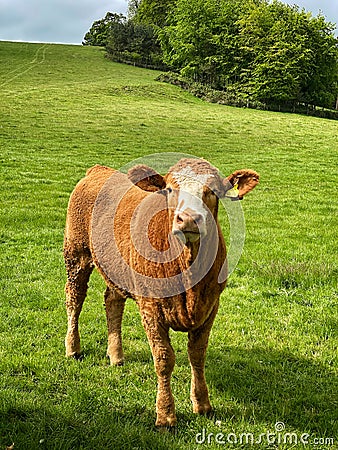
67	21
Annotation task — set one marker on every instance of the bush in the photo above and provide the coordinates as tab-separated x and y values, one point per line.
232	98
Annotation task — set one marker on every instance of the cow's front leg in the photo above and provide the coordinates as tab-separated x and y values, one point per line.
197	348
164	361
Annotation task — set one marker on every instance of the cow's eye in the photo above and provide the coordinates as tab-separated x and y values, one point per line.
169	189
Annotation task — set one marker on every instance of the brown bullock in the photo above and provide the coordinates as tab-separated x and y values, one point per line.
155	239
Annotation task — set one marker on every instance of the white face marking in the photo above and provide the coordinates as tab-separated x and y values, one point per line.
188	175
191	191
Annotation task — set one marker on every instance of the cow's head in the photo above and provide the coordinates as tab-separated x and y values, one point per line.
193	188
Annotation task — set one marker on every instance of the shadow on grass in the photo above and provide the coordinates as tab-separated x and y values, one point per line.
34	428
266	386
257	386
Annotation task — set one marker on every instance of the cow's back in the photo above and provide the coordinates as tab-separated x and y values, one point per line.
80	207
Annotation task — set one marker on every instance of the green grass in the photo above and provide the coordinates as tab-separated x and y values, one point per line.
273	350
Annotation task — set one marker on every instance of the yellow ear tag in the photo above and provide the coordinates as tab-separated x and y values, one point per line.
233	192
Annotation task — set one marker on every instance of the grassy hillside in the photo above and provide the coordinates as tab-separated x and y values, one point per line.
273	349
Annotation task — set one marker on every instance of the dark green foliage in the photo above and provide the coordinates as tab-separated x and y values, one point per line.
231	98
267	51
290	56
127	40
134	43
99	33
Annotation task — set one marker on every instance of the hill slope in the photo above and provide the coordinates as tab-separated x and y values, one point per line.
273	350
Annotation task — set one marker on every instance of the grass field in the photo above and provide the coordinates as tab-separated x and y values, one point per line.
273	353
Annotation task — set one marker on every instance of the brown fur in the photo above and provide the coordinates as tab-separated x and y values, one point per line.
146	178
192	311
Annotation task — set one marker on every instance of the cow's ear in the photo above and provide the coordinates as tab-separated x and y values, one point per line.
240	183
146	178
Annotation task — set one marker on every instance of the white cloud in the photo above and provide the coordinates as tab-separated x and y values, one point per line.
68	20
52	20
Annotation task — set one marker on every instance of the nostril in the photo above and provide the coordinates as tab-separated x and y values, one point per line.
188	220
179	219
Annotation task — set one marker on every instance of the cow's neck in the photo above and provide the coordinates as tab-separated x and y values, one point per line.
191	252
198	302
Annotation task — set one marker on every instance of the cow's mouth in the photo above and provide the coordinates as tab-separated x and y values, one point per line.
187	235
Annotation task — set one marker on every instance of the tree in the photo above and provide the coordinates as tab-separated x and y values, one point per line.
290	55
99	32
200	40
321	85
263	50
133	6
154	12
119	36
259	50
130	41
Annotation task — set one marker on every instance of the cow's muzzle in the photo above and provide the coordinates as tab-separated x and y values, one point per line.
188	227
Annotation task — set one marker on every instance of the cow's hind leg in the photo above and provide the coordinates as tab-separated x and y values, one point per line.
79	266
114	312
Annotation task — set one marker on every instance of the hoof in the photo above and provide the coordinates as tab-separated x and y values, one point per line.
77	356
115	361
167	423
168	429
203	410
